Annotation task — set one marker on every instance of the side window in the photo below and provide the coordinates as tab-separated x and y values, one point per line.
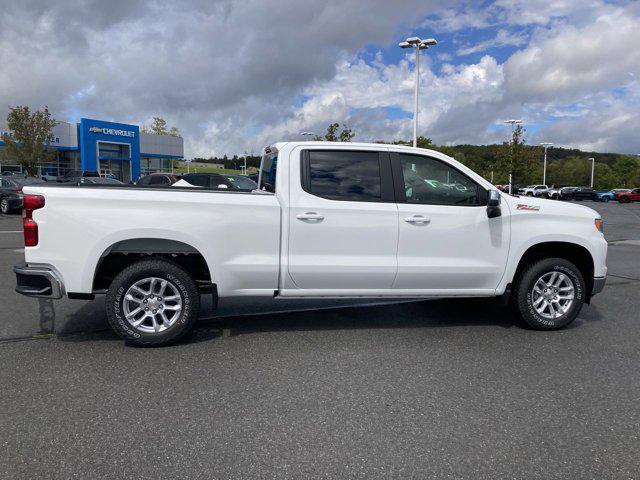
430	181
159	180
343	175
216	180
197	180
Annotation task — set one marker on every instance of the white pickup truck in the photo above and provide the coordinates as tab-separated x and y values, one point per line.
329	220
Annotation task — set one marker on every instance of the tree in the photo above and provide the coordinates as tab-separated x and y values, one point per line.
627	169
30	141
159	127
346	134
332	134
517	159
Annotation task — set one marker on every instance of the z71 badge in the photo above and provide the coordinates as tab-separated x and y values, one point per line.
531	208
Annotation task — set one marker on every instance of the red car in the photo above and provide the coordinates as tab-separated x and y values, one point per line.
626	197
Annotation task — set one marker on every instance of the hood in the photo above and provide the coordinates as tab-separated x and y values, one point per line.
543	206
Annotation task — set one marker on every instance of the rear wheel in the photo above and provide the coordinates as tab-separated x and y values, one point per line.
605	199
152	303
548	294
624	200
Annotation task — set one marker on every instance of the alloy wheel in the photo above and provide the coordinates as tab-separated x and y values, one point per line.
152	305
552	295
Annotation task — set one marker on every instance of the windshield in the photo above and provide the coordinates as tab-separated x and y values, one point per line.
101	180
27	181
241	183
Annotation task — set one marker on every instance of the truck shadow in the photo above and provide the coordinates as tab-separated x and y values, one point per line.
449	313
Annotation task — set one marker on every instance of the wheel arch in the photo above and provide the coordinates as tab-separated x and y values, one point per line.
123	253
573	252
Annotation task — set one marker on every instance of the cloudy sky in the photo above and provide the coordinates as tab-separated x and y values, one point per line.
236	75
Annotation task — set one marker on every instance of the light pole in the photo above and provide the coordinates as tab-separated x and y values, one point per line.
593	167
544	170
417	44
513	124
307	134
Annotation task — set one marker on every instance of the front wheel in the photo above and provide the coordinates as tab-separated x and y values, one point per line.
605	199
549	294
152	303
624	200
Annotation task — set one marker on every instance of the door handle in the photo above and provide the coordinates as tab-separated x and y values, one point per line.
417	219
310	216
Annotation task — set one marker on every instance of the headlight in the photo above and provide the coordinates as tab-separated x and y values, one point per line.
599	224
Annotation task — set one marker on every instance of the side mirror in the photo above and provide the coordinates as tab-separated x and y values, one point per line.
268	187
493	204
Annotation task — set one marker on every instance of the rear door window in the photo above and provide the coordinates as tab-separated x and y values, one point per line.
344	175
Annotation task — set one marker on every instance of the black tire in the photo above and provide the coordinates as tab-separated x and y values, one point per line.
605	199
624	200
522	300
4	206
178	280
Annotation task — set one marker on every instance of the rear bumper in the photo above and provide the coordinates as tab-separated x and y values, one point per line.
598	285
38	281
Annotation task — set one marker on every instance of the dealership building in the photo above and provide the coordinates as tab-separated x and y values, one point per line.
116	149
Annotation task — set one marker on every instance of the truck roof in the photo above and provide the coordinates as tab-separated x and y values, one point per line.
312	143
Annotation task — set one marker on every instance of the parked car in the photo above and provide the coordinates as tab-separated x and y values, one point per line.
344	220
566	193
217	181
11	191
541	192
157	179
73	176
531	190
554	192
582	193
631	196
609	195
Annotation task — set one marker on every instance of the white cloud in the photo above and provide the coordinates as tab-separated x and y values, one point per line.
568	62
502	38
223	70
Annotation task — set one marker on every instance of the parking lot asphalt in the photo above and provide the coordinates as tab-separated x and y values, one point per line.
431	389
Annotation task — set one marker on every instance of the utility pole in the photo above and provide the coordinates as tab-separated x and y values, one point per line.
593	168
544	170
417	44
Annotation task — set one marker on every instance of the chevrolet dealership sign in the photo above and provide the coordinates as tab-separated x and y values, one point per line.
113	131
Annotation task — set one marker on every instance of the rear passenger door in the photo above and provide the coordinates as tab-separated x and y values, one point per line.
343	222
